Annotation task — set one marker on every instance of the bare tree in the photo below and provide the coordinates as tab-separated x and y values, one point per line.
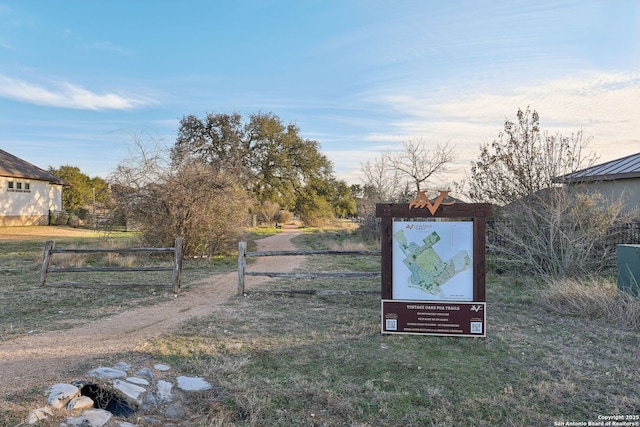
524	160
146	163
195	201
419	163
381	183
267	211
542	227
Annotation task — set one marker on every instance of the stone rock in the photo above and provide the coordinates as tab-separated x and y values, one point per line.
81	402
89	418
107	373
123	366
175	412
156	398
164	391
193	384
130	390
136	380
38	415
161	367
61	394
149	401
145	373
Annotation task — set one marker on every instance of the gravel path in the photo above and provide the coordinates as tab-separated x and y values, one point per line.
47	358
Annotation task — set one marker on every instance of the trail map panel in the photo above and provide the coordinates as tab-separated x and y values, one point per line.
433	260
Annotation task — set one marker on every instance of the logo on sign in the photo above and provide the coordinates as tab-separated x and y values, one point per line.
422	201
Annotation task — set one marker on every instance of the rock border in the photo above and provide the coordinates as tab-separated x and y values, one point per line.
155	395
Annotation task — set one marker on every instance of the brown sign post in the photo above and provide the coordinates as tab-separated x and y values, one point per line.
458	315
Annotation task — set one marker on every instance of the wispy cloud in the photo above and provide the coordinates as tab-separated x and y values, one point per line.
107	46
104	46
604	104
5	45
67	95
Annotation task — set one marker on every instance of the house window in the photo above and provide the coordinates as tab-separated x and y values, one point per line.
18	186
10	185
27	186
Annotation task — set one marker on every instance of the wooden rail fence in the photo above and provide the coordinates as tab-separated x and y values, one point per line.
243	254
175	284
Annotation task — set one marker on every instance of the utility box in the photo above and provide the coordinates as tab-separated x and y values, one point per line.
629	269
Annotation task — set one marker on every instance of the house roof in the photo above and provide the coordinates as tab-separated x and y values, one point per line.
14	167
624	168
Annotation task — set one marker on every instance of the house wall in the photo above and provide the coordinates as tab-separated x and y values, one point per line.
626	189
28	207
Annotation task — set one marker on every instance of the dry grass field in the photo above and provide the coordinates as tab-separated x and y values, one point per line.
278	359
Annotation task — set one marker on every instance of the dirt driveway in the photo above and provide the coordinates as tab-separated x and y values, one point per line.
47	358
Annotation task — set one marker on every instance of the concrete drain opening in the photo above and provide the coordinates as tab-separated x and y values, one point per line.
106	399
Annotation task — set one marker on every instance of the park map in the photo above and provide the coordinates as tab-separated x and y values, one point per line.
428	271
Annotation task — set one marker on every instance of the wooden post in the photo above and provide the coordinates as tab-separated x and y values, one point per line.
178	256
46	261
386	241
479	253
242	249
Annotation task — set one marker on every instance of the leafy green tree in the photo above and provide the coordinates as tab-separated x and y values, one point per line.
270	159
314	209
338	194
218	139
84	190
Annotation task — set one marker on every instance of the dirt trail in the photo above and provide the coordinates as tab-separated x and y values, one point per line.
47	358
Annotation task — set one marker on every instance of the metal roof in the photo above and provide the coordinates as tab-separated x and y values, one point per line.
14	167
624	168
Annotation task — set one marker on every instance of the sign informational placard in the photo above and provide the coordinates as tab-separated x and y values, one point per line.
433	260
434	318
433	266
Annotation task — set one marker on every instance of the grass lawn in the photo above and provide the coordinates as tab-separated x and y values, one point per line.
283	360
320	360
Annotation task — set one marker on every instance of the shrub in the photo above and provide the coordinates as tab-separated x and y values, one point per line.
369	227
195	202
594	297
267	212
555	232
284	217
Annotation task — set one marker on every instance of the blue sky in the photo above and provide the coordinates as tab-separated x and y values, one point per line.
80	79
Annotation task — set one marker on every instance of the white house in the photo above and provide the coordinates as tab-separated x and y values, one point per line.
27	193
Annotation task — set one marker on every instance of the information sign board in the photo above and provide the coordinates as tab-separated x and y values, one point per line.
434	318
433	266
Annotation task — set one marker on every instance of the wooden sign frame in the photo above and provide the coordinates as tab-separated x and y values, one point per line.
475	212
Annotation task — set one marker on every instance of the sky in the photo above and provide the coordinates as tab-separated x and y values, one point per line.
82	80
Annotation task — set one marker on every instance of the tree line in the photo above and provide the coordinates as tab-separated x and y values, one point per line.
222	167
541	225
